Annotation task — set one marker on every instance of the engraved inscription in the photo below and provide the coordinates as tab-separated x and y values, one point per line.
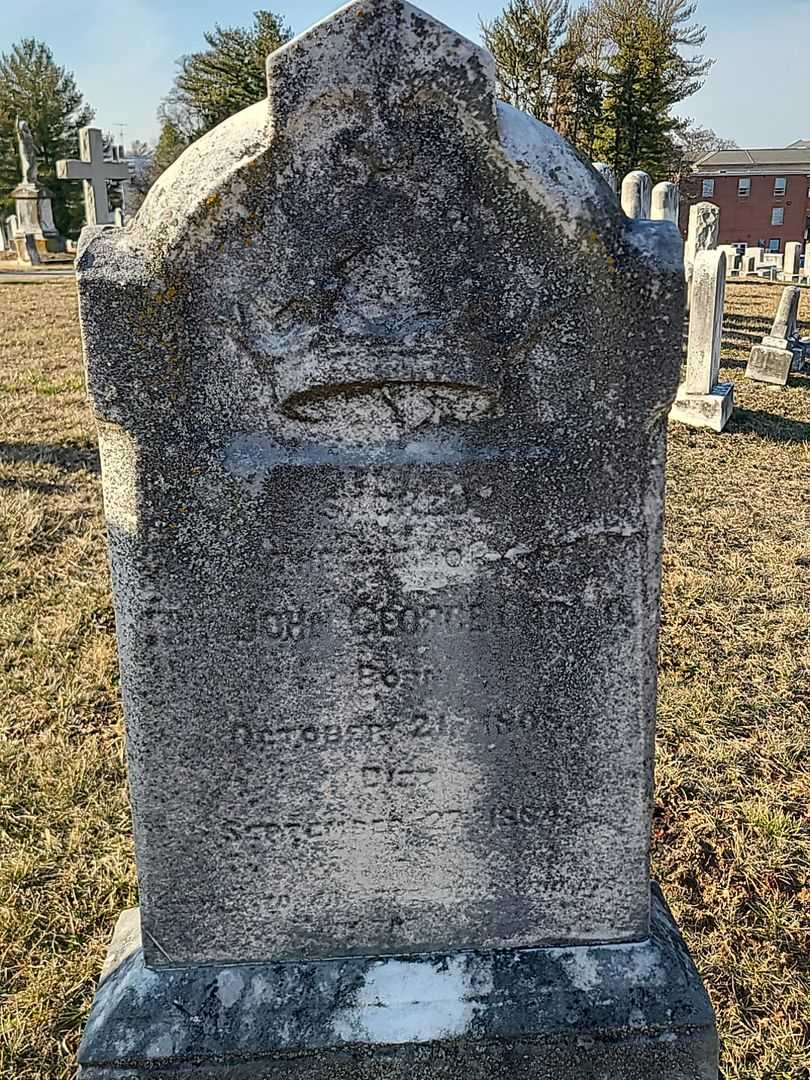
371	730
379	776
297	832
379	671
373	617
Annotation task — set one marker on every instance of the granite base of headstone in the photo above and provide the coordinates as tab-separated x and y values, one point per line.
636	1011
781	352
712	410
381	373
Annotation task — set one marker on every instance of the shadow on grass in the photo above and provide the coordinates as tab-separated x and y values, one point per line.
67	457
769	425
743	331
70	457
734	362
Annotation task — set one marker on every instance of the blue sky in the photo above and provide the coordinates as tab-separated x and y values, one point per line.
123	54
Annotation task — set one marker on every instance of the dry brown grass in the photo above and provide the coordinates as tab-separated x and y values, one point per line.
732	845
732	838
65	858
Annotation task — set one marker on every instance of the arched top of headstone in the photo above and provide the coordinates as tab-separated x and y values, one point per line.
379	227
387	50
371	62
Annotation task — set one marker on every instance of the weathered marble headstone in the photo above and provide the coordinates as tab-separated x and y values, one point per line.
752	260
666	202
702	401
381	374
792	265
781	351
11	231
96	172
607	174
734	261
703	235
637	195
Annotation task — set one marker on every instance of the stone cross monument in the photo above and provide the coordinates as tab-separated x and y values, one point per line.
96	172
381	373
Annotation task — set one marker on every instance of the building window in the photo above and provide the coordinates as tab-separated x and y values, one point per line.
708	189
778	215
744	187
779	187
774	245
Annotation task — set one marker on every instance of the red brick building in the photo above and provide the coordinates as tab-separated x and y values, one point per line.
763	195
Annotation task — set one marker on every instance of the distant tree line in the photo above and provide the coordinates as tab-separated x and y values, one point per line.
606	74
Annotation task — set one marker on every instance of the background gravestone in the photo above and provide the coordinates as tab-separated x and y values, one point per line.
703	235
781	351
666	202
607	174
636	195
381	388
702	400
792	264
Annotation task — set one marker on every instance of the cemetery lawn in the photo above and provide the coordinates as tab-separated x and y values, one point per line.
732	826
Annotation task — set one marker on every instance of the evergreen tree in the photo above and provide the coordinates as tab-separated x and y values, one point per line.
525	39
170	146
34	88
578	85
605	74
645	75
226	77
